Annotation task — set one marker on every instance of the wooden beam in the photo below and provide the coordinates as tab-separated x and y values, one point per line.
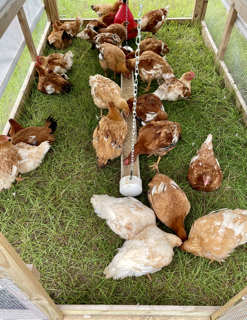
34	271
8	13
199	10
27	34
229	82
241	8
231	18
28	82
229	304
122	312
51	10
15	270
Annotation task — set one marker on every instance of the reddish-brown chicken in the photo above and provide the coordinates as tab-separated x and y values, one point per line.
217	234
109	136
59	39
119	29
174	89
169	203
148	108
33	135
112	57
111	38
151	66
89	33
154	20
204	171
72	27
108	18
157	137
150	44
51	82
57	62
104	8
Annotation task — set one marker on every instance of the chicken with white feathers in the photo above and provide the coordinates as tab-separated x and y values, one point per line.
147	252
125	216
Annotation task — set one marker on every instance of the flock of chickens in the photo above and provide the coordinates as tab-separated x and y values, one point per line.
147	248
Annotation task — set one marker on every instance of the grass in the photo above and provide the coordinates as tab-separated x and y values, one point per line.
48	217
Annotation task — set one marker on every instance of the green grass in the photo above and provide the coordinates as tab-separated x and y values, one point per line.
51	223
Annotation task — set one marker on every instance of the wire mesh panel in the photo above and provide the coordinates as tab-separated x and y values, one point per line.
237	312
235	57
15	305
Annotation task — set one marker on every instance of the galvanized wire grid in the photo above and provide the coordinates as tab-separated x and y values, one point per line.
237	312
137	55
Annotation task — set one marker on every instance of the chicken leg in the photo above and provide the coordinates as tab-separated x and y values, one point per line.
148	87
155	166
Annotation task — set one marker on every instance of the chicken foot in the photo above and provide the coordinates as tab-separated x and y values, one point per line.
148	87
19	179
155	166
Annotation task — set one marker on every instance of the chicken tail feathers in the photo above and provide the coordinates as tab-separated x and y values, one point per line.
51	123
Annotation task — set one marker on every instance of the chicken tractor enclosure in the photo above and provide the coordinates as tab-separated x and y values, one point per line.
48	218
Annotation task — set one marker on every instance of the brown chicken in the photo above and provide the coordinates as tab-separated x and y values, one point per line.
104	90
154	20
57	62
111	38
157	137
151	66
217	234
169	203
174	89
112	57
102	9
150	44
72	27
148	108
204	171
119	29
59	39
109	136
89	33
107	19
51	82
33	135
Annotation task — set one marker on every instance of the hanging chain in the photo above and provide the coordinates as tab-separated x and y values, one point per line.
137	55
126	19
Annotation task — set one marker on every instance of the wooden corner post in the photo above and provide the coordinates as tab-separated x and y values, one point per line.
199	10
51	9
14	270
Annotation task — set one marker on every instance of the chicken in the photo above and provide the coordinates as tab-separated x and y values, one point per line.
57	62
150	44
116	28
204	172
31	156
18	158
104	90
147	252
148	108
51	82
111	38
72	27
102	9
169	203
89	33
112	57
217	234
33	135
9	163
107	19
157	137
59	39
174	89
154	20
125	216
151	66
109	136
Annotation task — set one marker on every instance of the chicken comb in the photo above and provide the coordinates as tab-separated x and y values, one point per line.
192	73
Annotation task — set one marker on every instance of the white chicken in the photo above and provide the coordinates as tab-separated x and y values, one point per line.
147	252
125	216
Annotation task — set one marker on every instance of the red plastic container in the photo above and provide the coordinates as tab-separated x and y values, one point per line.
120	17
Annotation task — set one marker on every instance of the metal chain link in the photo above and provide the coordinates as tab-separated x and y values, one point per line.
137	55
126	39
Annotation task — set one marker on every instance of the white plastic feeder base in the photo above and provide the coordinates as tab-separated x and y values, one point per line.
130	187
